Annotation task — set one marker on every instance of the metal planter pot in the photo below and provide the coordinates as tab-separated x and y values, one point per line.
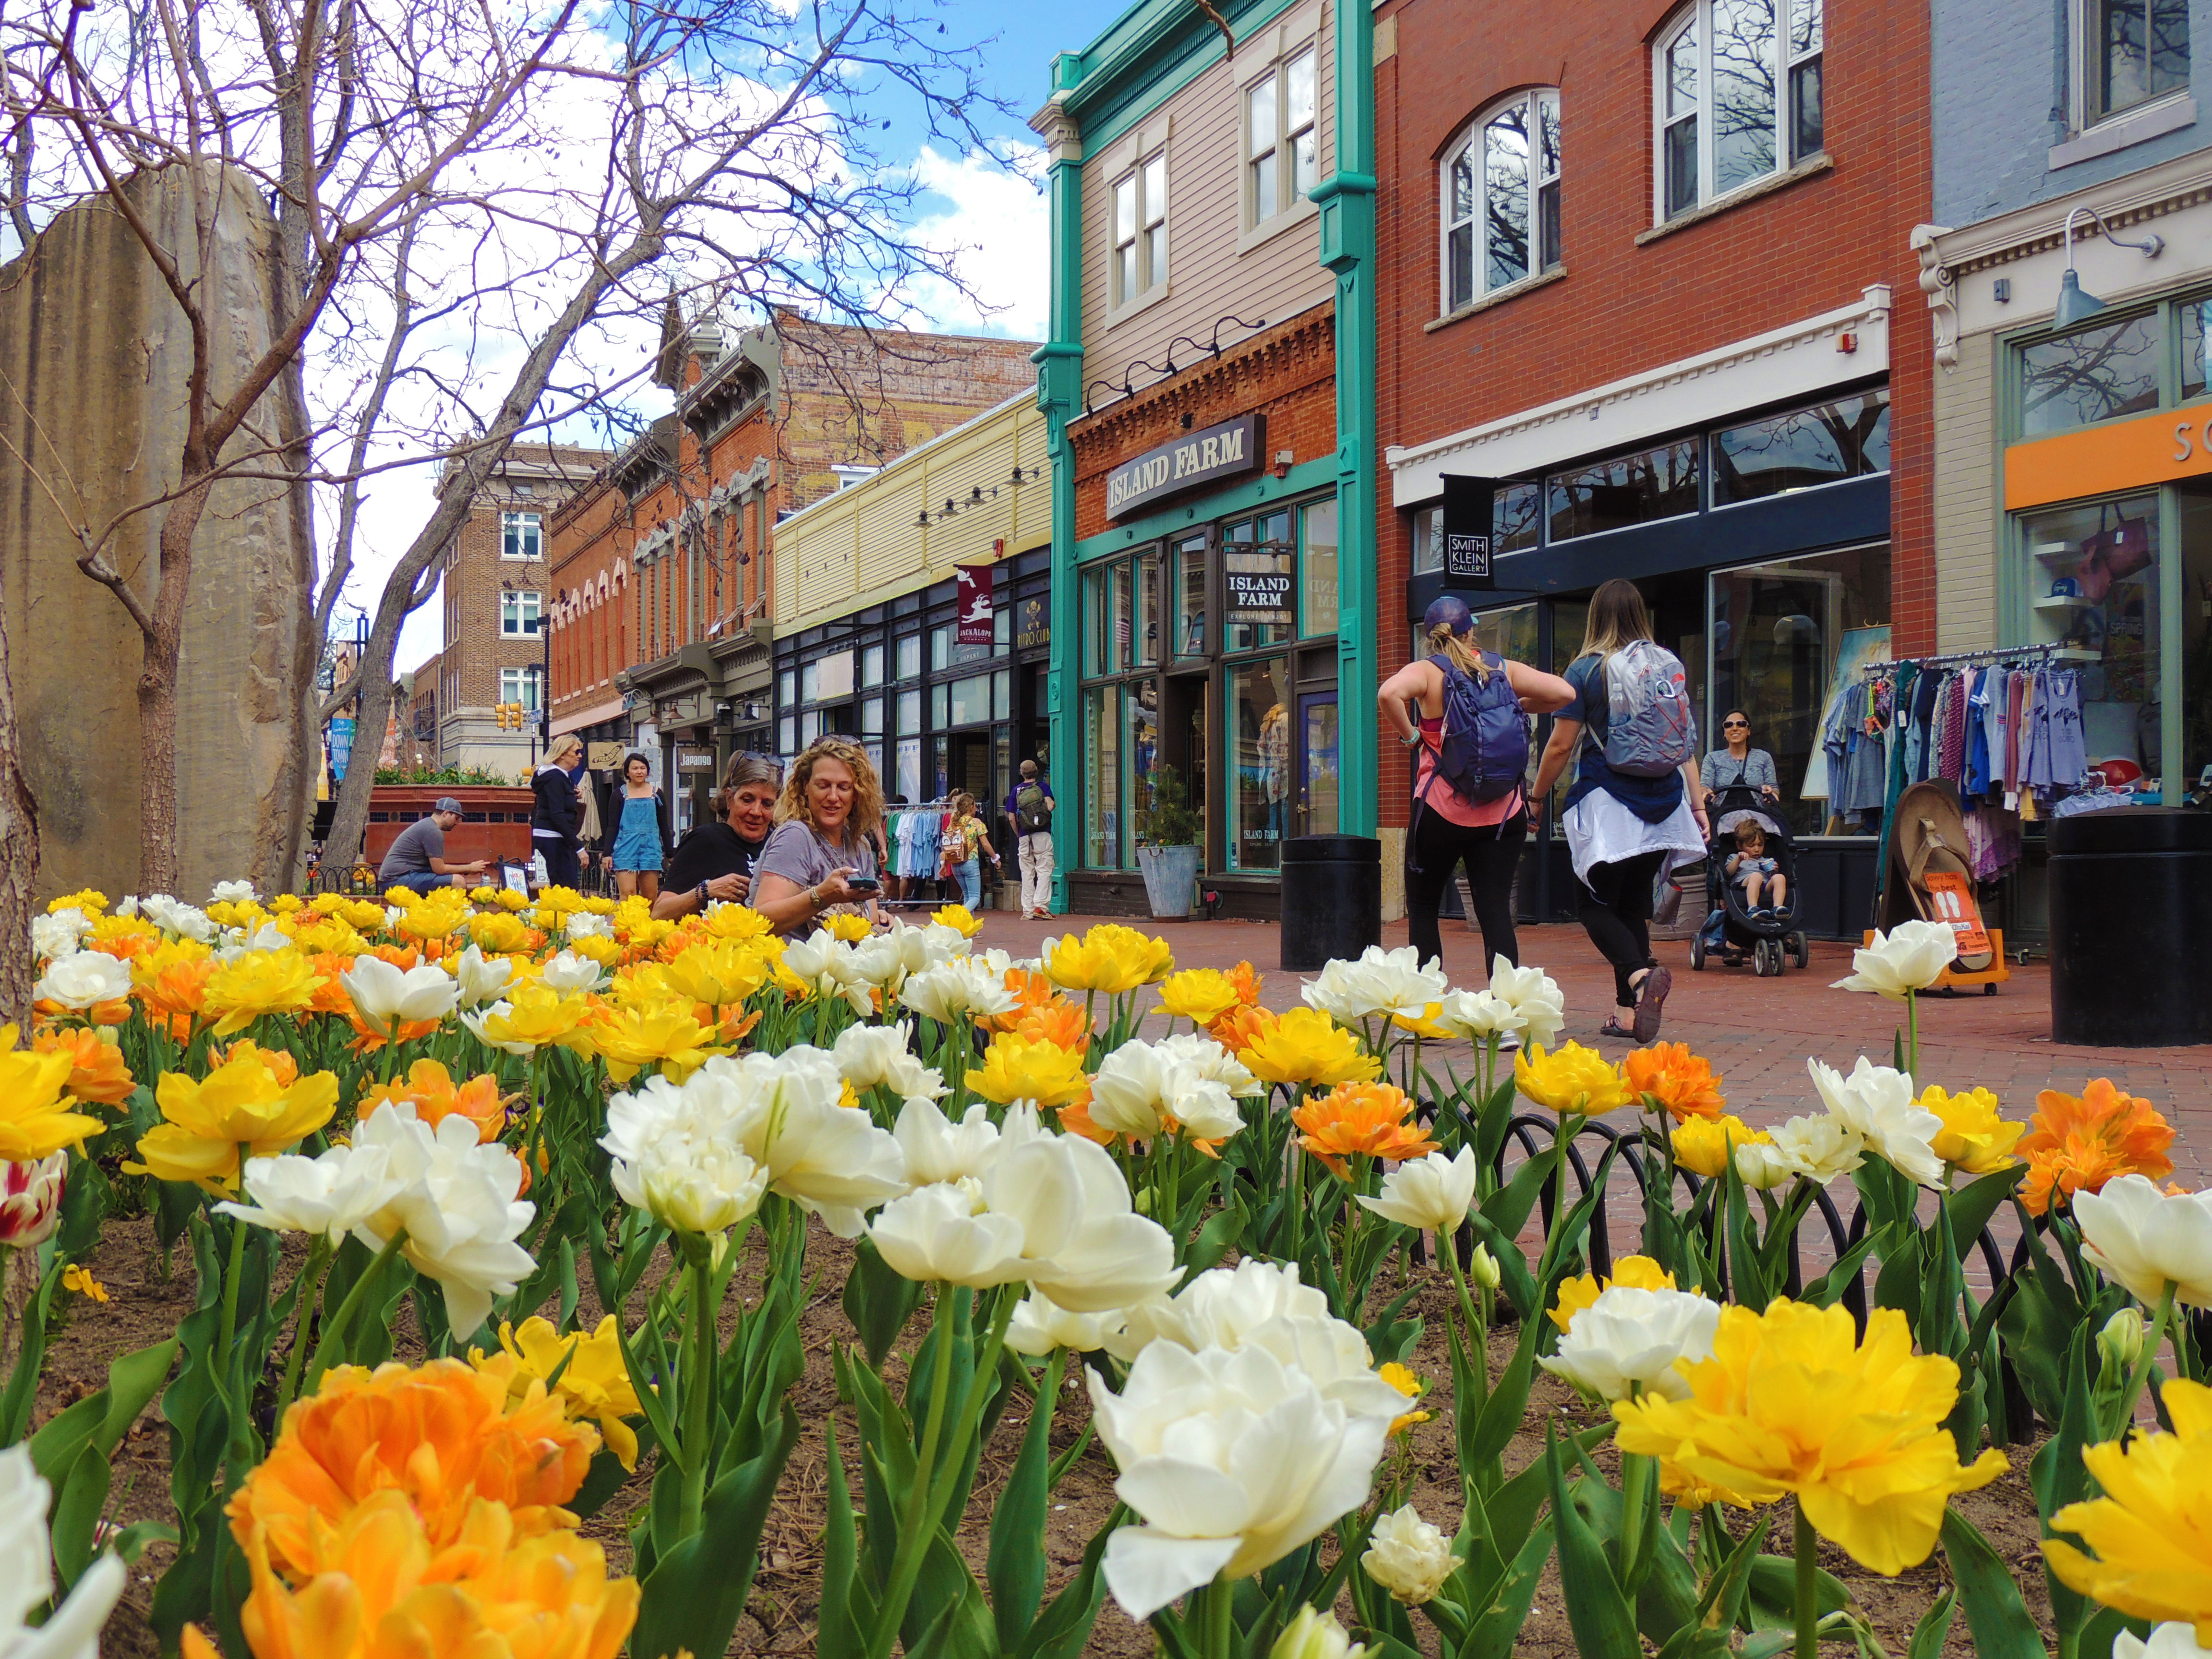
1170	880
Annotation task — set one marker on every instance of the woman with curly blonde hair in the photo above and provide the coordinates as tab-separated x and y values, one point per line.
819	860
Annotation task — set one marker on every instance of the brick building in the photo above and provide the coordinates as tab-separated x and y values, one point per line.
494	596
660	566
1635	321
421	709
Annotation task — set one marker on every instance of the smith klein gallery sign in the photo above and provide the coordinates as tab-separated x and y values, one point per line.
1198	458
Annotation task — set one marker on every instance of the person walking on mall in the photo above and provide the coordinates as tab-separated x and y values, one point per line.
556	815
965	838
637	855
1486	833
1030	807
1625	828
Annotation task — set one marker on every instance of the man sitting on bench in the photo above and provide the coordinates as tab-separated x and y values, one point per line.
417	860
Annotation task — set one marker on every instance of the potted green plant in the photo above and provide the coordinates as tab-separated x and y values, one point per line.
1168	850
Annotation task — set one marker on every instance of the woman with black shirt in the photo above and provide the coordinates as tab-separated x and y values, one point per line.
715	860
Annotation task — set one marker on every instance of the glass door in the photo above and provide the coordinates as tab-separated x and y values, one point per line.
1317	773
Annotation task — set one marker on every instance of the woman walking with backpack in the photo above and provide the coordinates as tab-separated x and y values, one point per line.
1635	808
1470	788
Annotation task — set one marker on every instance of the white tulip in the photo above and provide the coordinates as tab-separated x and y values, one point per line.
1408	1557
1203	1108
1909	958
2169	1641
946	1233
784	1112
939	943
956	989
387	998
1232	1459
1201	1056
1630	1336
1094	1253
475	1021
231	892
1315	1635
1880	1104
31	1194
83	981
569	973
171	917
1535	996
56	936
1435	1192
675	1158
1479	1016
1129	1095
1819	1148
26	1573
480	979
872	1056
936	1150
329	1195
1386	982
1040	1324
2146	1239
582	924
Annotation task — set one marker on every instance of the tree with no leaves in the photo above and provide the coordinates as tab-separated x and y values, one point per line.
469	198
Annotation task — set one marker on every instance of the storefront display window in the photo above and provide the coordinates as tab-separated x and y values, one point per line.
871	716
1101	776
909	656
786	734
1624	490
1318	534
1259	563
871	666
2094	373
2196	642
940	705
2092	587
971	700
1143	704
1261	784
1825	444
1146	637
1190	597
909	769
909	711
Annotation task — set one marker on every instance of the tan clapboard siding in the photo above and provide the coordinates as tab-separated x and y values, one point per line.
1207	277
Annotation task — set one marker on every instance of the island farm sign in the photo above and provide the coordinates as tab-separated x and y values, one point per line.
1197	458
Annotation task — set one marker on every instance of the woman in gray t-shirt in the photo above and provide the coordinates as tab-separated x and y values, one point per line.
1737	764
821	847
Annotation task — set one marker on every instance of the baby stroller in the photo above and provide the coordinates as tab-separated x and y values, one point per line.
1730	931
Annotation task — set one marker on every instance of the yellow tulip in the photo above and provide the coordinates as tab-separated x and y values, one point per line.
1792	1403
260	983
1705	1144
499	932
959	918
597	947
361	915
1572	1079
91	903
848	927
1201	994
1016	1067
594	1383
2152	1529
666	1035
719	973
1306	1045
35	1121
540	1018
1110	958
736	921
249	1100
1637	1272
1974	1138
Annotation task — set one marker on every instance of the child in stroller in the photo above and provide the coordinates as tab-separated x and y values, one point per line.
1768	931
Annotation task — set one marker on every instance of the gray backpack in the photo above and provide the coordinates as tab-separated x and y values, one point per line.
1651	729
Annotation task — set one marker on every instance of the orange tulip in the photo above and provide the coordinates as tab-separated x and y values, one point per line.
1058	1022
171	982
442	1434
435	1096
1364	1120
1677	1079
96	1069
2077	1145
1032	990
1247	983
1075	1120
1240	1027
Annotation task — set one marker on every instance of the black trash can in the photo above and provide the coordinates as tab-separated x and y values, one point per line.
1332	899
2131	924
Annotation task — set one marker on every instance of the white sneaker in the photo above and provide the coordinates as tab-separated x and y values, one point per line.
1508	1042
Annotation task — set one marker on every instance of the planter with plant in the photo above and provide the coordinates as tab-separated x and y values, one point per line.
1167	847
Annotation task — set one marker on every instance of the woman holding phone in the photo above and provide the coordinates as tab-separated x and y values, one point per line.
716	861
820	860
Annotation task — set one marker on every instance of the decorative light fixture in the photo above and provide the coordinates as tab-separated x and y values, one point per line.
2074	304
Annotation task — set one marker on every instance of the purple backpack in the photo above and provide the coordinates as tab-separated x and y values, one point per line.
1485	753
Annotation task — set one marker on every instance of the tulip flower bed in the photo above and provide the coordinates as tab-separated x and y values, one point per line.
530	1277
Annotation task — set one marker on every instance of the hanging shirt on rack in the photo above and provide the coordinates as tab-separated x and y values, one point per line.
1978	730
2070	754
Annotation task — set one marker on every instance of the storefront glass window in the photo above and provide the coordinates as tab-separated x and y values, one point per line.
2196	502
909	769
871	716
1625	490
940	647
909	711
1101	776
788	686
1260	785
971	700
1321	596
810	683
940	705
1143	704
2107	552
1517	517
909	656
1826	444
872	665
1259	564
2192	315
1190	597
787	735
2094	373
1148	635
1002	694
1787	642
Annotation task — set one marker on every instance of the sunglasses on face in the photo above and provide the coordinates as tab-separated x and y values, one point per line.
1730	726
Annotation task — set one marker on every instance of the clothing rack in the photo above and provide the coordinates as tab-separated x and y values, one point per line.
937	808
1997	654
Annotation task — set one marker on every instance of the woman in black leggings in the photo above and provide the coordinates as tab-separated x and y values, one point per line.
1446	828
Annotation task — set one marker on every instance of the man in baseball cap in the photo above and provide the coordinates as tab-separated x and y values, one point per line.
417	858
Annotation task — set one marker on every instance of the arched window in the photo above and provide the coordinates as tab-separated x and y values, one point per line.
1738	94
1501	198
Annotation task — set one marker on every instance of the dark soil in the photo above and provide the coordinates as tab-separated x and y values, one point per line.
146	1308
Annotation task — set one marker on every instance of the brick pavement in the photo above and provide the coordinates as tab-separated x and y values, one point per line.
1757	1033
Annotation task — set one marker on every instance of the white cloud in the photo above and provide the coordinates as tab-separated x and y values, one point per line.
996	226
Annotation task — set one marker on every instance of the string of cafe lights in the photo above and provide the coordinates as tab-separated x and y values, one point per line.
1210	347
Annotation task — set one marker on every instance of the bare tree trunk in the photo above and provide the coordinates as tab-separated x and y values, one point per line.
19	856
157	694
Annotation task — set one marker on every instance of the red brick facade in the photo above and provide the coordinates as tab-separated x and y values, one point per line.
1629	300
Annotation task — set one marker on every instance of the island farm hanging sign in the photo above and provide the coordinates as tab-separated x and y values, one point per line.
1226	451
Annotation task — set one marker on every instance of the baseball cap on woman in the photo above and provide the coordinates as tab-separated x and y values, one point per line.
1447	611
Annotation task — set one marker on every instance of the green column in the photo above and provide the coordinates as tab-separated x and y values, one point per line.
1059	396
1347	247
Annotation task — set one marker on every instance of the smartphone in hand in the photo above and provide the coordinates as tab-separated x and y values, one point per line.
864	883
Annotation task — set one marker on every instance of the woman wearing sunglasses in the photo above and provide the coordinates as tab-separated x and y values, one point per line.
1737	763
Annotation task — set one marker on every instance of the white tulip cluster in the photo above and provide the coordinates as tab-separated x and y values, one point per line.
568	974
1190	1079
479	979
172	916
83	980
1874	1111
1630	1339
387	998
881	1056
1385	982
886	961
831	968
960	988
26	1573
458	1198
58	935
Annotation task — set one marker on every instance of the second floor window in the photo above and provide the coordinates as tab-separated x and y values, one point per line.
517	614
1501	199
1739	97
521	536
2133	52
1281	137
519	685
1140	230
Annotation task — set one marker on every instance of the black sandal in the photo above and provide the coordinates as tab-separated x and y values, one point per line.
1650	998
1614	1027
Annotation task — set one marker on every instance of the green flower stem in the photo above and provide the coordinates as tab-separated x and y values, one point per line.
1912	1034
1220	1601
1478	1325
914	1528
1296	1214
1635	1499
971	1408
2130	1394
234	1273
1808	1588
334	1332
698	1398
311	1288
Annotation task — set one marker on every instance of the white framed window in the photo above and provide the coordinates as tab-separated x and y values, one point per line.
1738	97
1140	229
519	685
521	536
1282	151
1500	210
2127	54
849	476
519	613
